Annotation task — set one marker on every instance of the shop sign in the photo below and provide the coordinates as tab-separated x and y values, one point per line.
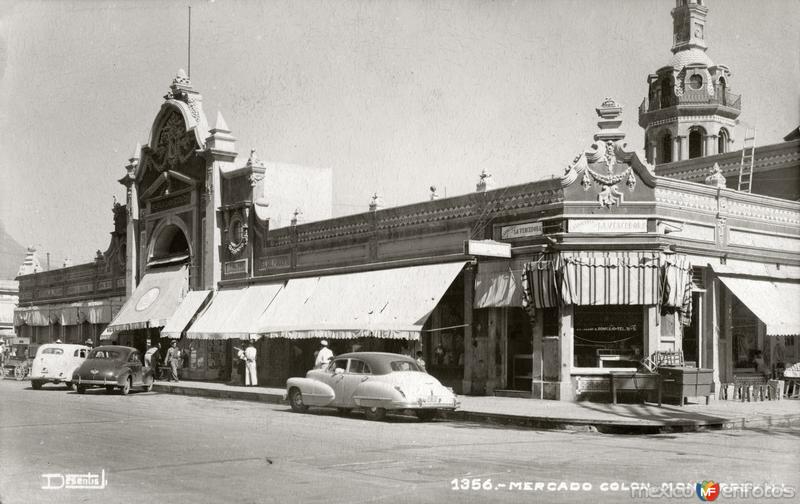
607	225
521	230
274	262
488	248
236	267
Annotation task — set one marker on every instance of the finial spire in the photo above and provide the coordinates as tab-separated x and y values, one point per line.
609	112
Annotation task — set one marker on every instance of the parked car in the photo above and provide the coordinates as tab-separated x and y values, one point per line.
375	382
55	363
19	359
113	367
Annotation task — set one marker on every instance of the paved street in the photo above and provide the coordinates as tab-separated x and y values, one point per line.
165	448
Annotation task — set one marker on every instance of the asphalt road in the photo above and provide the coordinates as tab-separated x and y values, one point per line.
167	448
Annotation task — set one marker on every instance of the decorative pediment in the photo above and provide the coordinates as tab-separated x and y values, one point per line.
608	172
167	183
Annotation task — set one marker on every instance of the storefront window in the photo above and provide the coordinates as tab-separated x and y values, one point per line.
744	327
608	336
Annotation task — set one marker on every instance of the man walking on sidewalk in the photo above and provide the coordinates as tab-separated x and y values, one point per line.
251	373
173	360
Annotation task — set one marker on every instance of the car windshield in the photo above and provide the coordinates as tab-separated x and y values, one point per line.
404	365
53	351
105	354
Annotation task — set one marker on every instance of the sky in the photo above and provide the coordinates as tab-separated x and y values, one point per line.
392	95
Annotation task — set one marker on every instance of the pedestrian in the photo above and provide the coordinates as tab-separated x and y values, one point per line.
173	360
324	355
251	373
148	355
90	343
421	361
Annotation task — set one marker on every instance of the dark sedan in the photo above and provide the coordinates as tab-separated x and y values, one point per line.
113	367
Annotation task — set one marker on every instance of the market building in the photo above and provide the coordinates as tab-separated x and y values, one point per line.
537	289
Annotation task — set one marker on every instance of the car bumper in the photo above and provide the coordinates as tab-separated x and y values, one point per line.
49	378
104	381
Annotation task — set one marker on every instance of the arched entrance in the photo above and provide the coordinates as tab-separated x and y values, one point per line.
170	243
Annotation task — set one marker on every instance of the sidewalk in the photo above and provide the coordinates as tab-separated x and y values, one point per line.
581	416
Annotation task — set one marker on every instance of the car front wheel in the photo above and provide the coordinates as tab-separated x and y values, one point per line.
126	387
109	389
296	401
81	389
20	372
68	384
36	384
375	413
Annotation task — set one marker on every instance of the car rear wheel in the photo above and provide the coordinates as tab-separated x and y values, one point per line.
126	387
148	387
36	384
375	413
296	401
68	384
426	415
109	389
81	389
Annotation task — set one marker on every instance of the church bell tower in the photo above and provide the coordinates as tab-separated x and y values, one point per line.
689	111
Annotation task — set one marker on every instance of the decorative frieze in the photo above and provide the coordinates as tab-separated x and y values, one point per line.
686	200
761	240
766	213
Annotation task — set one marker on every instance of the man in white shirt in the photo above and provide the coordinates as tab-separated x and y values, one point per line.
324	356
251	373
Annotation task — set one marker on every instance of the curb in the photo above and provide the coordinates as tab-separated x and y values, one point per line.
530	422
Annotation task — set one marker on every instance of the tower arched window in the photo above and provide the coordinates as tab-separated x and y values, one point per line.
722	141
666	93
695	143
722	89
666	148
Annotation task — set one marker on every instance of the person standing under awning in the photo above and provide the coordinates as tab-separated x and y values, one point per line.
251	373
324	356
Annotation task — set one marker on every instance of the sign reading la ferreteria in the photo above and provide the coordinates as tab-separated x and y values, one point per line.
521	230
607	225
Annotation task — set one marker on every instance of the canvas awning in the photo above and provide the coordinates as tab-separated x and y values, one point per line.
154	301
772	300
183	315
498	284
234	313
32	316
391	303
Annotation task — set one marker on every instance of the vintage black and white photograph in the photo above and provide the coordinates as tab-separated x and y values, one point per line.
399	251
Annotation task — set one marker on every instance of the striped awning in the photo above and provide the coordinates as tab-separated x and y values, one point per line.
606	278
498	284
32	316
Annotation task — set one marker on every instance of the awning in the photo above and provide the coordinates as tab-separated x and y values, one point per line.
498	285
234	313
184	314
154	301
391	303
95	312
32	316
773	301
605	278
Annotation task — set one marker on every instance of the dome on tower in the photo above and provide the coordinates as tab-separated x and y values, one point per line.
691	56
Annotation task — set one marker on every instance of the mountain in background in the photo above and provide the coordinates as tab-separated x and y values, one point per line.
11	255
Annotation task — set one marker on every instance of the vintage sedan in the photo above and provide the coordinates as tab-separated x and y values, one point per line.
113	367
56	363
373	381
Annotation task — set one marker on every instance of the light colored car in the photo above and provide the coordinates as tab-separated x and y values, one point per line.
373	381
55	363
113	367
